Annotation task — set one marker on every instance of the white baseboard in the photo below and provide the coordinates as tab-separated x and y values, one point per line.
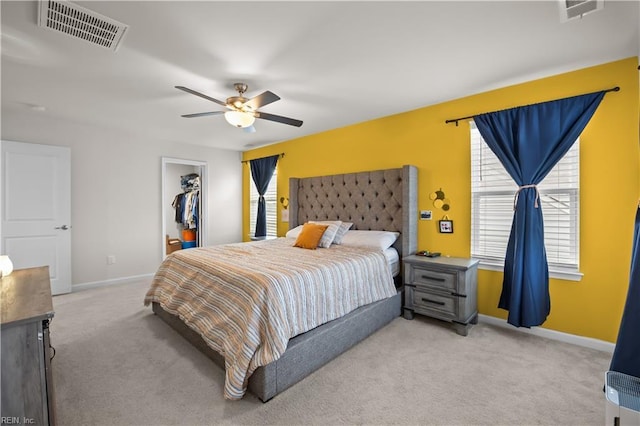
586	342
124	280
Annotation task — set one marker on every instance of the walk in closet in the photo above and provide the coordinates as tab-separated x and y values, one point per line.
183	204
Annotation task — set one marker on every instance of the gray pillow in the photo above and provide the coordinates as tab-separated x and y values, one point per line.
330	233
341	232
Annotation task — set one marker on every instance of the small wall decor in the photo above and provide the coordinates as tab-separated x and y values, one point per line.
285	202
425	214
284	213
440	201
446	225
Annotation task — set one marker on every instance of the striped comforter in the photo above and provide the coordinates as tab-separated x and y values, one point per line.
248	299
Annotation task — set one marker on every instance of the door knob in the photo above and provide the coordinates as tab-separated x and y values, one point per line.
63	227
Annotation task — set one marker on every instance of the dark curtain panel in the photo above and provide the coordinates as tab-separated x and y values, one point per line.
529	141
626	356
261	171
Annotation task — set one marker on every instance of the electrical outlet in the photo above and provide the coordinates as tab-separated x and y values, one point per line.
111	259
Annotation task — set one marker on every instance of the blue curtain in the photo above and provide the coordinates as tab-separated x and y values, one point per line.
626	356
529	141
261	171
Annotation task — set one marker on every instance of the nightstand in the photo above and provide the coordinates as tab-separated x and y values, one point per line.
442	287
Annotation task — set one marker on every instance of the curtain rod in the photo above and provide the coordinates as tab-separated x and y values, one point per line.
455	120
246	161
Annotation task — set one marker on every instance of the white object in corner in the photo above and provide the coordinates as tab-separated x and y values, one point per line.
623	399
6	266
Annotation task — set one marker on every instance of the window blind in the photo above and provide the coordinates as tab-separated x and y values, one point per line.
493	191
271	202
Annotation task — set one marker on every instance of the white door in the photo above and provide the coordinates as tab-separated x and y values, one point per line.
36	209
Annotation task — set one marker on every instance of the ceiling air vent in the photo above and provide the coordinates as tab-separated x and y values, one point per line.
571	9
81	23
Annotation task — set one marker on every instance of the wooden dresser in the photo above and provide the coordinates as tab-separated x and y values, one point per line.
26	308
443	288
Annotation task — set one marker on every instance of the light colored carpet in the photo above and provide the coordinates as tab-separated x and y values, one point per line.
117	363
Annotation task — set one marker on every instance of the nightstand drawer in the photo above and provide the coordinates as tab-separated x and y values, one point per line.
433	278
434	302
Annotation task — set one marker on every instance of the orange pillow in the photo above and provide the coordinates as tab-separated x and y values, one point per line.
310	235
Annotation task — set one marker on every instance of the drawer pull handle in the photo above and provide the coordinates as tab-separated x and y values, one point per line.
435	302
427	277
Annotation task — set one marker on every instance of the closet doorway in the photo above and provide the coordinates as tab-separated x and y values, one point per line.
179	178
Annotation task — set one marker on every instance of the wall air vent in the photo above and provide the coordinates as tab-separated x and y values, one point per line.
571	9
78	22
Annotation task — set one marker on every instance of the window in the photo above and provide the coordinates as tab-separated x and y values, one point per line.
492	197
270	198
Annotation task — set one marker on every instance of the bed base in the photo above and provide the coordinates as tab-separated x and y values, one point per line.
306	352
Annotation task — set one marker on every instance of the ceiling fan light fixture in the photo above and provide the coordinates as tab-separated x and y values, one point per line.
239	118
242	111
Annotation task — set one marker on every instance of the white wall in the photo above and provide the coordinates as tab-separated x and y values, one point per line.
116	195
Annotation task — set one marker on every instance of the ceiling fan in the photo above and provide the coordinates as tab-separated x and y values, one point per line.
242	112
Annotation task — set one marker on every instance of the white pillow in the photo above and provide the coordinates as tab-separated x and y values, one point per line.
293	233
341	232
373	239
330	233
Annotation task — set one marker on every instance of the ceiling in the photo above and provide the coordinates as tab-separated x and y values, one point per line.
332	63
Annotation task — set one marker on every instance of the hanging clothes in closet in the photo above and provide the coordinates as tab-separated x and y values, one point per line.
186	203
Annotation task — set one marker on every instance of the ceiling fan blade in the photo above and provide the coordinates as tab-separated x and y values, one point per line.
193	92
278	118
261	100
203	114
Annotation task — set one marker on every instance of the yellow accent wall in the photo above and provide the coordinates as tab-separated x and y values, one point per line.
610	188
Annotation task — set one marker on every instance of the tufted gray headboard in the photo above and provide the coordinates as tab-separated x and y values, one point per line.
385	200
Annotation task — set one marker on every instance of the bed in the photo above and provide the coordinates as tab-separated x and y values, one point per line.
384	200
